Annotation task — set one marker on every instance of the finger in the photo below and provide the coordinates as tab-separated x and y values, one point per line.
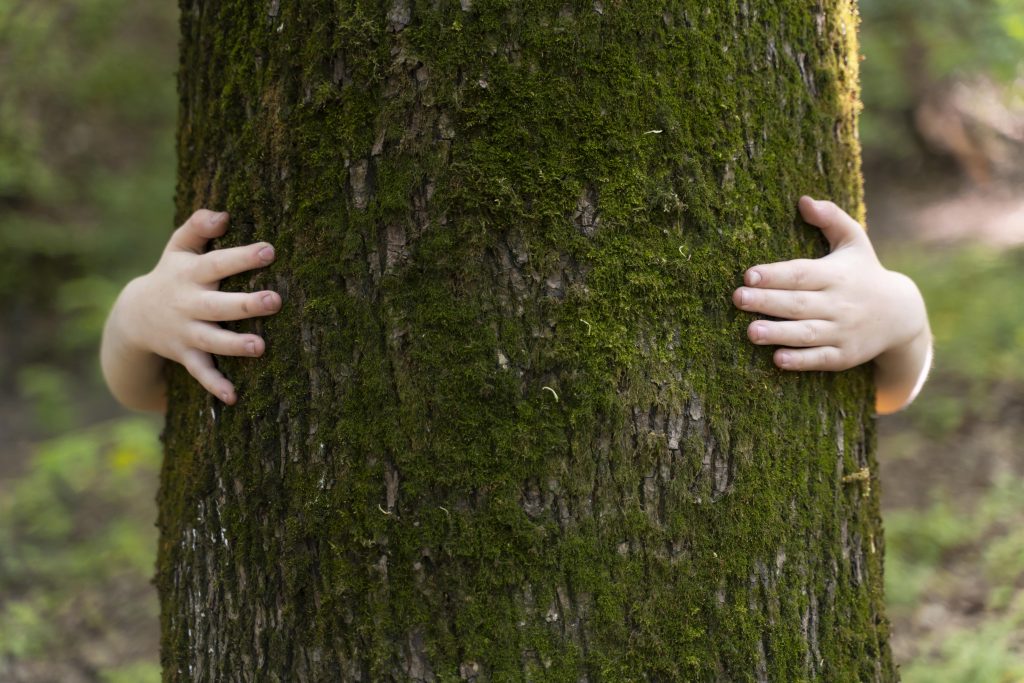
781	303
803	333
200	365
213	338
221	263
838	226
827	358
220	306
806	274
201	227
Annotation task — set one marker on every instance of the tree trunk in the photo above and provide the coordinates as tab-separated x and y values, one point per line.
508	426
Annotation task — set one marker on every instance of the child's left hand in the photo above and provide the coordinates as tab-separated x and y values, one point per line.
841	310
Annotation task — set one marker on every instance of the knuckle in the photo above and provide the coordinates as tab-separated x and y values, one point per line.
848	310
178	302
798	305
217	263
829	210
173	351
178	235
206	308
188	310
201	337
189	361
190	268
809	334
199	218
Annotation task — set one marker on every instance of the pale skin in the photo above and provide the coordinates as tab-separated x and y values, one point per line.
171	314
839	311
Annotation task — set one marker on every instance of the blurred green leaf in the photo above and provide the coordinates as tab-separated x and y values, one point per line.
85	301
49	391
87	112
910	46
973	298
987	653
77	525
23	631
137	672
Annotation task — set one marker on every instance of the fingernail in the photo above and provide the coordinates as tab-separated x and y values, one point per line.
744	297
754	277
266	254
217	217
268	302
785	359
757	332
224	396
251	347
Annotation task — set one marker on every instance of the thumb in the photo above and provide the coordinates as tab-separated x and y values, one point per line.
837	225
199	229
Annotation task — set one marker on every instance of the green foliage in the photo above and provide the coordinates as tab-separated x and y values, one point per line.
136	672
87	107
987	653
920	546
910	45
23	632
76	526
47	389
956	543
917	545
973	297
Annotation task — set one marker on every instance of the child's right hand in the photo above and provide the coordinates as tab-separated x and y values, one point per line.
173	310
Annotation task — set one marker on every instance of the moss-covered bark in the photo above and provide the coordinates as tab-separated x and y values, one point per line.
509	426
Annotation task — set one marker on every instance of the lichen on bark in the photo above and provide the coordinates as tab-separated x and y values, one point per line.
508	426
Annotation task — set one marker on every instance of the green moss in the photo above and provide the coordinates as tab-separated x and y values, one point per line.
399	468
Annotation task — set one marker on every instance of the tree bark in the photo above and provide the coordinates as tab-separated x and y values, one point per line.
508	426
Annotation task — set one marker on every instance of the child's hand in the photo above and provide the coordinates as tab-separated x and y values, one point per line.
173	310
840	310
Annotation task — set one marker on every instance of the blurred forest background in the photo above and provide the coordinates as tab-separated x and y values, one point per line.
87	110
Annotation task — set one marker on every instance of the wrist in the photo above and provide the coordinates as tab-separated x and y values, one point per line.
133	371
900	370
908	357
908	317
123	323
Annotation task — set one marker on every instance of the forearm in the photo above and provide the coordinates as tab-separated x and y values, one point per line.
134	375
901	371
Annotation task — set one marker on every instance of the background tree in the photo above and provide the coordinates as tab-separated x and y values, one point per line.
508	425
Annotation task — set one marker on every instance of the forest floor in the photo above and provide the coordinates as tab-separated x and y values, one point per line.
77	512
